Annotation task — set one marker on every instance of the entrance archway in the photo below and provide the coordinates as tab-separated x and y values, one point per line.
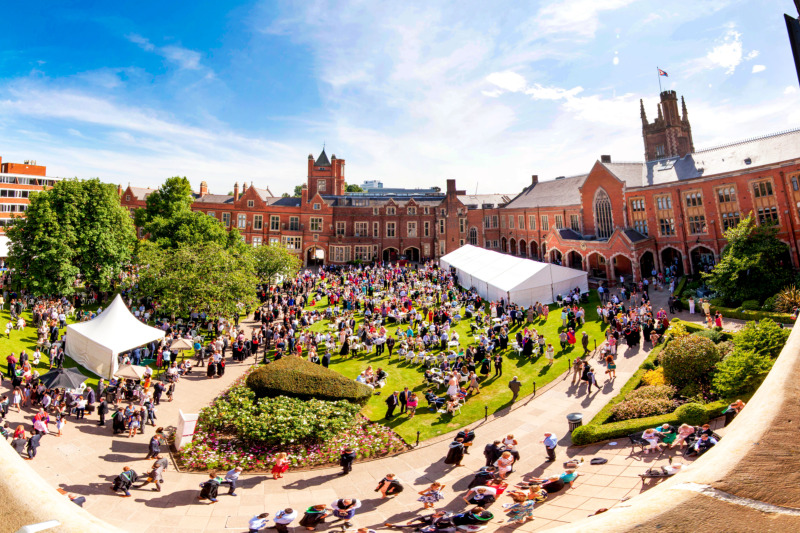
622	267
534	250
670	257
556	256
315	256
702	259
513	247
411	254
596	265
647	263
503	245
574	260
523	249
390	254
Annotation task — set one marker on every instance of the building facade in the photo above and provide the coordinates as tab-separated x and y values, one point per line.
618	219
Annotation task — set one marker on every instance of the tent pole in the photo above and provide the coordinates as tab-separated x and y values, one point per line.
552	293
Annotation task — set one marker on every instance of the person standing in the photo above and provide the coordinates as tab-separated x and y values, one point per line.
577	368
102	410
283	518
455	453
33	443
313	516
346	461
585	342
391	403
154	448
404	397
231	478
550	442
498	365
281	465
492	452
515	385
345	509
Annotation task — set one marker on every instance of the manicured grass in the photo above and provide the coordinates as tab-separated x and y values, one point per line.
494	393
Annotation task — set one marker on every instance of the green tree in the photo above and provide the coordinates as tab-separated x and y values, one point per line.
689	360
273	262
168	219
764	337
352	187
201	276
75	231
741	372
753	265
298	191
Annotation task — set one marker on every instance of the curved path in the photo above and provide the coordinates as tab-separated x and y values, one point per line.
87	458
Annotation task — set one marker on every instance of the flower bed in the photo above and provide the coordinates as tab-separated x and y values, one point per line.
238	430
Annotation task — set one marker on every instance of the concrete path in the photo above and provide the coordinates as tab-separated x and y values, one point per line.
87	458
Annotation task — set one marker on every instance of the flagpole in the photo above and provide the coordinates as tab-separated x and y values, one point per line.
658	73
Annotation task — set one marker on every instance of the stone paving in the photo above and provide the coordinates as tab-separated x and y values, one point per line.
87	458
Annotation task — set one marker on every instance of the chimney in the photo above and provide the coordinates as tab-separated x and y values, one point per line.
451	186
235	191
119	190
534	179
203	188
605	159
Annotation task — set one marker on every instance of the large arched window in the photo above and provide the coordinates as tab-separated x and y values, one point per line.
604	223
473	236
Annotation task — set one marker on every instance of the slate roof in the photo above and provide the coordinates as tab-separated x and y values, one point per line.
215	199
264	194
551	193
478	200
570	234
634	235
291	201
322	160
140	193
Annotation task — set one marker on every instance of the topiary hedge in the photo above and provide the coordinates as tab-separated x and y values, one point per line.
688	360
297	378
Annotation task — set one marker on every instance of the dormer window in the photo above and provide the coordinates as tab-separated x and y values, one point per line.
390	210
250	203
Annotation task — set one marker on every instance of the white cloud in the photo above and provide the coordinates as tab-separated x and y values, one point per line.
616	60
790	89
184	58
507	80
727	54
574	18
758	68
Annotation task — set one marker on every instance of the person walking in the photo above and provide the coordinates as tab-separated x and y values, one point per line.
154	448
585	342
156	474
515	385
346	461
281	465
577	368
257	523
33	444
345	509
391	403
124	480
209	488
455	453
231	478
313	516
283	518
431	495
550	442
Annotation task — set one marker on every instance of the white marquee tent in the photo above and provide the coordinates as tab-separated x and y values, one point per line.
521	281
96	344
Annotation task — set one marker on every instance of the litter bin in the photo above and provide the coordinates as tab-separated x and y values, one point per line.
575	420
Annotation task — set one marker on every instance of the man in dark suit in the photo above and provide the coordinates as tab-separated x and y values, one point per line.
102	410
403	397
33	443
391	404
326	359
346	461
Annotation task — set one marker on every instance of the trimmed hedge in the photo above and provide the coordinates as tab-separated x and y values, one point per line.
595	433
296	377
739	314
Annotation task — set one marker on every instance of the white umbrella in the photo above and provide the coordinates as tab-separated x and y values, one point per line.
131	371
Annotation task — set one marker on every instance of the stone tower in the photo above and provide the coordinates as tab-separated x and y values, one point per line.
670	134
325	176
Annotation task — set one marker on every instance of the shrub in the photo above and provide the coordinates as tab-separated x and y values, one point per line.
716	302
692	390
763	337
647	366
652	392
713	335
645	401
297	378
689	360
741	372
769	304
694	414
725	348
676	330
750	305
583	435
654	377
787	299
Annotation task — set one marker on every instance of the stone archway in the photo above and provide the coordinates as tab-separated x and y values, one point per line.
315	256
534	250
623	267
390	254
412	254
702	258
672	257
512	249
523	249
574	260
503	245
556	257
647	263
596	265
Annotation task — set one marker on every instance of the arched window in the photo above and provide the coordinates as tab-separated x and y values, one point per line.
602	215
473	236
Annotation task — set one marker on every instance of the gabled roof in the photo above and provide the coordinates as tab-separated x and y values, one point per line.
215	199
552	193
322	160
478	200
289	201
634	235
141	193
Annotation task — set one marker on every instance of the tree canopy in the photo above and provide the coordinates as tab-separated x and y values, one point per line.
754	265
273	262
352	187
76	230
201	276
298	191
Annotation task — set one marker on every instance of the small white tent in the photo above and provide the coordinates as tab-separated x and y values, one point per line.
521	281
96	344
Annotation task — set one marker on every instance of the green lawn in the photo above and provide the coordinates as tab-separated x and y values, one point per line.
494	391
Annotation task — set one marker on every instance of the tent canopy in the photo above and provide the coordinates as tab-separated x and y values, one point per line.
521	281
96	344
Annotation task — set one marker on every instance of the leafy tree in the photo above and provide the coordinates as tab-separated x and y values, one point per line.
168	219
352	187
201	276
273	262
285	195
298	191
753	265
689	360
741	372
76	230
764	338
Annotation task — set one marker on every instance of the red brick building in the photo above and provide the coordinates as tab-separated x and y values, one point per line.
618	219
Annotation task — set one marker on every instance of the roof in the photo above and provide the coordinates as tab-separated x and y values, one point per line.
634	235
141	193
215	199
322	160
551	193
478	200
734	157
290	201
264	193
570	234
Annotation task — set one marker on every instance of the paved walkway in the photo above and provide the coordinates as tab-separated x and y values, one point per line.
87	458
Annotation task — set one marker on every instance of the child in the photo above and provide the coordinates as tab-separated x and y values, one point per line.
281	465
431	495
60	421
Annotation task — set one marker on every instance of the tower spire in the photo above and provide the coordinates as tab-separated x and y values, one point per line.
660	114
685	113
644	115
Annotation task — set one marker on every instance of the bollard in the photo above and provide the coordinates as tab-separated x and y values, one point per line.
417	444
595	345
534	388
485	413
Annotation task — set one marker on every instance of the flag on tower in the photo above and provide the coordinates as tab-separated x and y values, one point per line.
663	73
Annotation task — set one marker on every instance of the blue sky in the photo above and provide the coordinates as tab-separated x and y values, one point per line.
411	93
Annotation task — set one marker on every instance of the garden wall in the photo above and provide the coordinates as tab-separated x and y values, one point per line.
750	479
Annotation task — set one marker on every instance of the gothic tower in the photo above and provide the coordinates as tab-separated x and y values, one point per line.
670	135
325	176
